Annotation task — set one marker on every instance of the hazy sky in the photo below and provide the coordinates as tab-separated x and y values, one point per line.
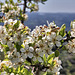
58	6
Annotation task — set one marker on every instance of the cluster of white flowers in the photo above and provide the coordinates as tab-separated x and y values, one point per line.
5	64
73	28
57	67
12	35
40	42
35	8
18	43
24	44
5	73
25	16
10	11
71	46
73	24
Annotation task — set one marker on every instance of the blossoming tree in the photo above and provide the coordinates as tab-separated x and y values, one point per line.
29	52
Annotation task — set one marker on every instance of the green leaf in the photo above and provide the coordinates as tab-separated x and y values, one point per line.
18	69
49	73
11	2
22	68
28	72
53	63
57	53
62	30
16	25
1	4
45	73
19	1
44	58
50	56
32	5
50	61
39	37
29	4
18	46
22	46
69	33
27	63
6	2
63	48
31	44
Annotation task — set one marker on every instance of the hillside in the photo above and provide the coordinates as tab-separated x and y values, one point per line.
41	18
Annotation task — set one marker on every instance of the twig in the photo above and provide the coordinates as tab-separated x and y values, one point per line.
24	8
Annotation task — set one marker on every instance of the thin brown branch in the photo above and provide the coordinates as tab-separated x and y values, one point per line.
36	68
24	8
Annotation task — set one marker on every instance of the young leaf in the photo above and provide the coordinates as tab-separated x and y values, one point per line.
19	1
69	33
45	73
16	25
56	53
39	37
6	2
50	56
50	61
44	58
62	30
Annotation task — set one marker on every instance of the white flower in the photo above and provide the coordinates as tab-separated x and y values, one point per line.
5	22
24	56
38	50
22	50
30	55
21	26
31	49
9	43
59	37
4	73
18	54
38	58
1	28
7	63
15	21
12	74
53	35
6	5
58	43
36	8
26	46
51	24
10	20
73	24
73	33
51	44
25	16
49	38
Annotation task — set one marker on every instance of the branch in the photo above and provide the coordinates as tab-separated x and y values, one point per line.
24	8
36	68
